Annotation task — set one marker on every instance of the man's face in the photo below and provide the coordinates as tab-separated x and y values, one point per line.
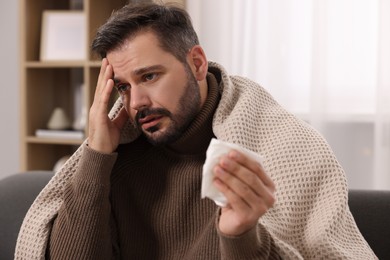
160	94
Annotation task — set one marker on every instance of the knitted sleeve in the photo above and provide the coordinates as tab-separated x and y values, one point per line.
257	243
81	229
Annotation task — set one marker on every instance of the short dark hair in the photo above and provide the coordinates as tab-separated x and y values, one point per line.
171	24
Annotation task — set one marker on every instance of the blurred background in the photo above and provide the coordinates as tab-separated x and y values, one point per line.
327	61
9	87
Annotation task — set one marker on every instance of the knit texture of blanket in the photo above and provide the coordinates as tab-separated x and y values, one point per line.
310	219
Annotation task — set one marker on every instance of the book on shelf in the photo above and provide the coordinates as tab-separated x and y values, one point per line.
62	134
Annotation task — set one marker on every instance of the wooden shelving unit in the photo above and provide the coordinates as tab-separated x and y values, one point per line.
47	85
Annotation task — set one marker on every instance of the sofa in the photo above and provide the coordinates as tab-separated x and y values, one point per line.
370	208
17	193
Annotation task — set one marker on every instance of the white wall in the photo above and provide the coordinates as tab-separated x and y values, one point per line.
9	87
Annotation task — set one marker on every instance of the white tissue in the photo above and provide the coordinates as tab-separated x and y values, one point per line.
216	149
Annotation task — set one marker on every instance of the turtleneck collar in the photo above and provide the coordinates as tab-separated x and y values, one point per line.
197	137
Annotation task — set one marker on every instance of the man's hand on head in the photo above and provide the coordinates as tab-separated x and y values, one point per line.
104	133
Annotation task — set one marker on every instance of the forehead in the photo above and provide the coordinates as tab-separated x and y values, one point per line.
142	47
147	34
138	52
141	43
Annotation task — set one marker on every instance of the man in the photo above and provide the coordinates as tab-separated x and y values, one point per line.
132	191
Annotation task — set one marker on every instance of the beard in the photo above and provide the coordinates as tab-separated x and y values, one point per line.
187	109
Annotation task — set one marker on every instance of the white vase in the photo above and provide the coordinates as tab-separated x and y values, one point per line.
81	121
58	120
60	163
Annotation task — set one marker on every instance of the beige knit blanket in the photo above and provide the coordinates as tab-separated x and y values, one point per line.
311	218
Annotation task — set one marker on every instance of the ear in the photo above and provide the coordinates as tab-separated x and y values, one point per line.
198	62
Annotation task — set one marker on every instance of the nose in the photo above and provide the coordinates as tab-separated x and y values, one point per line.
139	98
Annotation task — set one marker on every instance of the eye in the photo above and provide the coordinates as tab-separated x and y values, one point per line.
122	88
149	76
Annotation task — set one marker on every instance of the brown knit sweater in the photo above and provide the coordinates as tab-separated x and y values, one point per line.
143	202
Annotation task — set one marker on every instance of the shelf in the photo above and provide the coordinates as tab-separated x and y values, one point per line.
46	85
59	141
95	64
45	156
55	64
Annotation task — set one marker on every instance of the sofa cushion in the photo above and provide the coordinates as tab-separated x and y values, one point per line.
17	193
371	210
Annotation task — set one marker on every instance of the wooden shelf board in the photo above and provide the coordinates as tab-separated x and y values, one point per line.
95	64
55	64
40	140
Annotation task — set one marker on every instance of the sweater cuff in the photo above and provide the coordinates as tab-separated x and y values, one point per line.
245	246
95	167
253	244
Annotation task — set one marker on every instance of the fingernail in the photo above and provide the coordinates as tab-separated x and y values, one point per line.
218	170
225	161
234	155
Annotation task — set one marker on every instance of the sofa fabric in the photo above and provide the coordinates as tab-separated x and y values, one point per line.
371	210
17	193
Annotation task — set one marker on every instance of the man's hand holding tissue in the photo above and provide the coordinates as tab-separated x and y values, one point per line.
248	189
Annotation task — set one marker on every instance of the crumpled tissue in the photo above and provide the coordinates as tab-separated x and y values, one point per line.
216	149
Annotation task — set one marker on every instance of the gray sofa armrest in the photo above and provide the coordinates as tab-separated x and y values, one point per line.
371	210
17	193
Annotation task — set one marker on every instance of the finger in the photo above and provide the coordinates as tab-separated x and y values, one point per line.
102	68
121	119
248	177
101	73
253	166
232	170
105	74
234	200
105	95
247	186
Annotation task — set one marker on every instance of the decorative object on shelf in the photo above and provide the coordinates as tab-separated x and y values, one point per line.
81	121
60	127
76	5
63	36
58	120
80	109
60	163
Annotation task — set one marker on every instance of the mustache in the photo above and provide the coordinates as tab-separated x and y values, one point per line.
151	111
